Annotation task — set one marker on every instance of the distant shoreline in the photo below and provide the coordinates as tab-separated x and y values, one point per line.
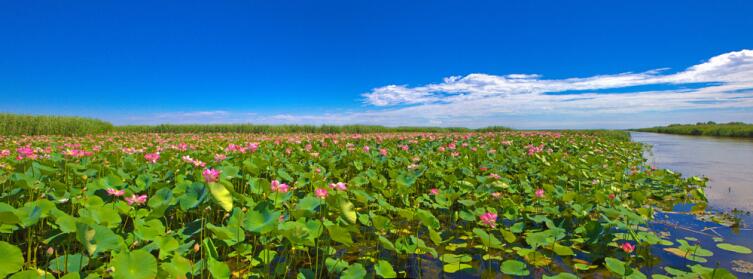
732	129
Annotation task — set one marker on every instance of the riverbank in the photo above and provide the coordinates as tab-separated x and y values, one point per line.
732	129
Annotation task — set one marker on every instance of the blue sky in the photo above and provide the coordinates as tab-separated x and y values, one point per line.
525	64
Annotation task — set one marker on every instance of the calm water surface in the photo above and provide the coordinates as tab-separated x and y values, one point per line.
727	162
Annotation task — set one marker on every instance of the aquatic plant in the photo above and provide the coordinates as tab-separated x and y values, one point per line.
559	204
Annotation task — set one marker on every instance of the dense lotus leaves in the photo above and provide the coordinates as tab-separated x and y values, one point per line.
355	206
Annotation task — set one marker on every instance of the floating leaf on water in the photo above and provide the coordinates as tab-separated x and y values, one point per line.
455	267
685	254
734	248
514	267
562	275
615	266
580	266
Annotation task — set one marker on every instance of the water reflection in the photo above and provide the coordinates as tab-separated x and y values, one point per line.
728	162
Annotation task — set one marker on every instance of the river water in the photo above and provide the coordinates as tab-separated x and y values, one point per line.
727	162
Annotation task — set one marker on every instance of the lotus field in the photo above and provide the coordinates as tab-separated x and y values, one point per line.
126	205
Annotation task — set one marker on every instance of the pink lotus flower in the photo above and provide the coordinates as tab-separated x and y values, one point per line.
404	148
366	148
115	192
210	175
383	151
489	219
494	176
254	146
627	247
151	157
539	193
26	152
434	191
611	196
321	193
219	157
496	195
276	186
338	186
136	199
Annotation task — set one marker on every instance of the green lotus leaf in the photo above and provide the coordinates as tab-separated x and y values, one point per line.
12	259
97	239
266	256
340	234
261	220
384	269
734	248
615	266
487	239
455	267
347	209
194	194
149	230
562	275
218	269
514	267
69	263
178	267
307	206
136	264
221	196
335	266
354	271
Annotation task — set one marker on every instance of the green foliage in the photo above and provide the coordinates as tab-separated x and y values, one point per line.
31	125
278	129
408	196
732	129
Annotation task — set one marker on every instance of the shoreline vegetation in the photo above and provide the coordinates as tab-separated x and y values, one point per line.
32	125
731	129
36	125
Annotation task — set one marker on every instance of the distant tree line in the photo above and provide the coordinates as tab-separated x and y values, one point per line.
731	129
17	124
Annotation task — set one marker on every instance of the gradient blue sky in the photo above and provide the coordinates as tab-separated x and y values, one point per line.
525	64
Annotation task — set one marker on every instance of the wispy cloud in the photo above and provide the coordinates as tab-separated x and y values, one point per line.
517	93
720	88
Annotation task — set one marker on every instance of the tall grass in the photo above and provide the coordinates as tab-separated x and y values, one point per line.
275	129
732	129
16	124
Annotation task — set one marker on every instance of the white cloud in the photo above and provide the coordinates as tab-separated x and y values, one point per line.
526	100
514	92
